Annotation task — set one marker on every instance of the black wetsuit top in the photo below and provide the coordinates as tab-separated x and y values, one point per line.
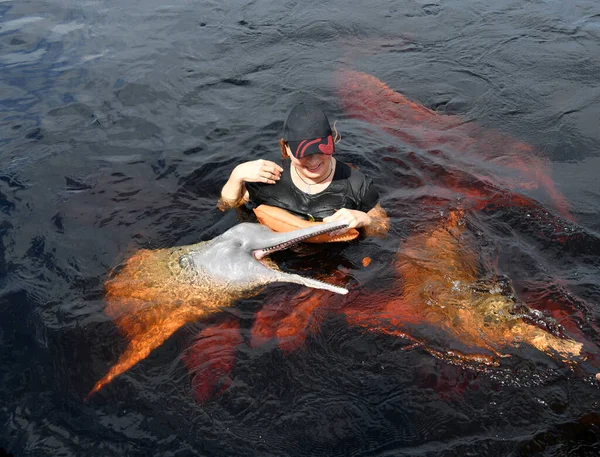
349	189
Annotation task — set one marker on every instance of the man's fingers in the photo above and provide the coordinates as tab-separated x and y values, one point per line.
276	168
270	175
337	218
333	217
271	172
271	167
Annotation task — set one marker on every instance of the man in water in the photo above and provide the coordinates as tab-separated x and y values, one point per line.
313	185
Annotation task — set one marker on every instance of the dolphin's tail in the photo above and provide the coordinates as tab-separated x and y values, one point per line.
147	330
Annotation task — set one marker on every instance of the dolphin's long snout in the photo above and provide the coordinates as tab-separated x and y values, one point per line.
284	240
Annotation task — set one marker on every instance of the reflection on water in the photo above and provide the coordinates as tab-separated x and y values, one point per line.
118	125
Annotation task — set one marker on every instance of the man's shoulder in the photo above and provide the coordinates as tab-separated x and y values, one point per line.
354	176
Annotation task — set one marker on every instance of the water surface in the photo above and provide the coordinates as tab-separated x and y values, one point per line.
120	122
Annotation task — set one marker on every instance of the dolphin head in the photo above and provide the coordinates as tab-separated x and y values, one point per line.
235	256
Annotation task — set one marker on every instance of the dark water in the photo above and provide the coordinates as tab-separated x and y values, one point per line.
121	120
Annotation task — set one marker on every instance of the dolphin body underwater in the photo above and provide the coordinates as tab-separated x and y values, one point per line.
158	291
478	321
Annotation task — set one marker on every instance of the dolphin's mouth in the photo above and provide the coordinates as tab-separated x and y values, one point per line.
261	253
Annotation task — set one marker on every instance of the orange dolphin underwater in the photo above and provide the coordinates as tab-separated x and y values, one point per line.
491	155
477	319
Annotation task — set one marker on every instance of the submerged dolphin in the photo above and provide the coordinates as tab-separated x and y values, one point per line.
158	291
491	155
476	322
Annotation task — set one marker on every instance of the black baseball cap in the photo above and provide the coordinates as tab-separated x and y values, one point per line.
307	131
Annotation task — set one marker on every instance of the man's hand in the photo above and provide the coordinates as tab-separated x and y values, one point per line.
352	217
257	171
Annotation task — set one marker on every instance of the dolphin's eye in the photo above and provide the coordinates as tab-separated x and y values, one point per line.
184	262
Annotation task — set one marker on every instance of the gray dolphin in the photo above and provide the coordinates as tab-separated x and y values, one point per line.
235	257
158	291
